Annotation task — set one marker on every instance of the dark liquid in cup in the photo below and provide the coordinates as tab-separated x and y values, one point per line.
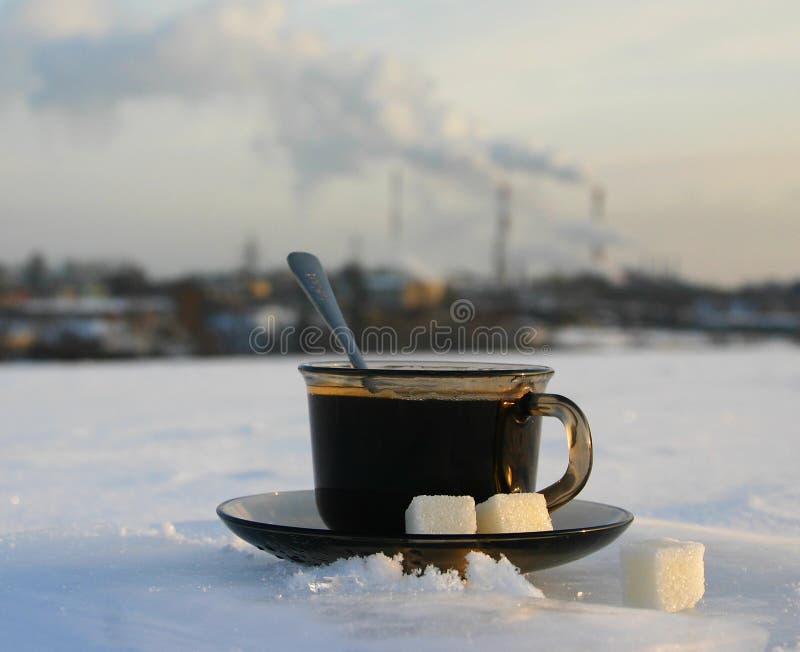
373	455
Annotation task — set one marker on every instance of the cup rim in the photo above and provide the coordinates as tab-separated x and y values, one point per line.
426	368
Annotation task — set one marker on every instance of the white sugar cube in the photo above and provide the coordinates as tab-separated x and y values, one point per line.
523	512
441	515
664	574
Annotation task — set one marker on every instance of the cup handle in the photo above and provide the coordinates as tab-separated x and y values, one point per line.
579	441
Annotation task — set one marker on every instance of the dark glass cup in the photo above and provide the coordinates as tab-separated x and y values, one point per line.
381	436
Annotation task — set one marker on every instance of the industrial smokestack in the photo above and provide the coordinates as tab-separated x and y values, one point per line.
250	256
597	214
503	227
396	213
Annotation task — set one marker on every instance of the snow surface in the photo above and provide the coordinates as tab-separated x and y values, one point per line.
110	473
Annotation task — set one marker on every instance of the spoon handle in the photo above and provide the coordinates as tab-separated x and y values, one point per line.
314	281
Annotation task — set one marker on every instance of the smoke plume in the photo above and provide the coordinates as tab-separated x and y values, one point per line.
334	112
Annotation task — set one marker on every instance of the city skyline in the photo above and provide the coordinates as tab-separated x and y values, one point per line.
168	137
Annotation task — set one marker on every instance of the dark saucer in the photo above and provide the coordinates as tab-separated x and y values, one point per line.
288	525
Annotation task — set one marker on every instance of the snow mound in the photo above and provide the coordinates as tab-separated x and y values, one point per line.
487	575
379	573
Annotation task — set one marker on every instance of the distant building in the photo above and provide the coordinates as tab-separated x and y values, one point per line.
90	326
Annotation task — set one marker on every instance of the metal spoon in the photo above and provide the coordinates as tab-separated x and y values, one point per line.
312	278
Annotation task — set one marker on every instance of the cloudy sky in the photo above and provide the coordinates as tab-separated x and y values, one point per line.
170	134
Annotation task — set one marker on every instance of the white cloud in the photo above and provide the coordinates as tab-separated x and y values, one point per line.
334	112
60	19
